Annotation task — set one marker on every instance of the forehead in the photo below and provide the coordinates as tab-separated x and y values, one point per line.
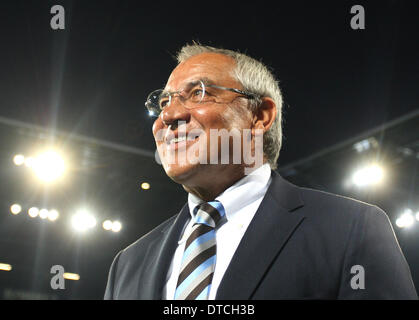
213	66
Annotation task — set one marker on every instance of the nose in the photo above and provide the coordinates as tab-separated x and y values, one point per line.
174	113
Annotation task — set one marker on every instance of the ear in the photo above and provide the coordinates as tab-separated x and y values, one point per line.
264	116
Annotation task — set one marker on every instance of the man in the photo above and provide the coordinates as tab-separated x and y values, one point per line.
246	233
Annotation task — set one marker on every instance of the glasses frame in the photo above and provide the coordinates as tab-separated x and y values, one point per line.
246	94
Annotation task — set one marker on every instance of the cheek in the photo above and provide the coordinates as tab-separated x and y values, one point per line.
204	114
212	118
237	118
157	127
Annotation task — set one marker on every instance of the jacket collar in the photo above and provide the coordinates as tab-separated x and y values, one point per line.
272	226
164	255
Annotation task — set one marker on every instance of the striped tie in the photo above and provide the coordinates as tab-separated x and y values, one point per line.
199	257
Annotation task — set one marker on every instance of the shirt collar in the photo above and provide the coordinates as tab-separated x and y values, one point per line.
252	186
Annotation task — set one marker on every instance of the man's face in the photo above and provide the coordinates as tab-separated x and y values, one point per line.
230	111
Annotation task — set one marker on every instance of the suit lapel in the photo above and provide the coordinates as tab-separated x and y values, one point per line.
159	266
270	229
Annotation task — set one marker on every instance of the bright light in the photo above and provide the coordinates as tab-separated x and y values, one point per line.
29	162
19	159
145	185
43	213
5	267
370	175
71	276
53	215
405	220
151	113
107	224
48	166
15	208
417	216
33	212
83	220
116	226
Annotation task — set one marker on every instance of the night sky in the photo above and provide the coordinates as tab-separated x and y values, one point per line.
92	77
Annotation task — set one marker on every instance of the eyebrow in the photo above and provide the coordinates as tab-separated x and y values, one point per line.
207	81
192	83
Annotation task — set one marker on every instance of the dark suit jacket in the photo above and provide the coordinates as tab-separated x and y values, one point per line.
301	244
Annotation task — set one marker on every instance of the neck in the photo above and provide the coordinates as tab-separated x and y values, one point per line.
214	183
212	186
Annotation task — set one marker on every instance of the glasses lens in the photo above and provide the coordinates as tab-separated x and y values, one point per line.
195	95
190	98
153	102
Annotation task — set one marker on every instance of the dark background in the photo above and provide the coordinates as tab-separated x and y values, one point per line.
83	89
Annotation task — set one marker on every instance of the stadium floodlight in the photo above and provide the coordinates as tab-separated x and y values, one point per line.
33	212
5	267
53	215
405	220
107	225
48	166
43	213
15	208
369	175
116	226
19	159
83	220
145	186
71	276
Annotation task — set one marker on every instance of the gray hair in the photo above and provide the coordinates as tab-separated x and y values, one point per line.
255	77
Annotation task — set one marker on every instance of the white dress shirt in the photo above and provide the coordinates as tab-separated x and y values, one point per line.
240	202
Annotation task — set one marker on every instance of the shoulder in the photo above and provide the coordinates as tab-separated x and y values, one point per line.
326	206
328	200
318	203
321	207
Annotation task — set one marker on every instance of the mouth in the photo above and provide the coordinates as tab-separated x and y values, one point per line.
182	141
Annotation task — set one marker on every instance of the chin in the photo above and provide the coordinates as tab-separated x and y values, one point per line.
180	173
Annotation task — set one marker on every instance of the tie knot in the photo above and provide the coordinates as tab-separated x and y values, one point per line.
209	213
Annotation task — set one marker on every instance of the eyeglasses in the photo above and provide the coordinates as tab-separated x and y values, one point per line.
195	94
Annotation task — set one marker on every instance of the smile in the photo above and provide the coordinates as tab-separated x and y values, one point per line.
178	142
